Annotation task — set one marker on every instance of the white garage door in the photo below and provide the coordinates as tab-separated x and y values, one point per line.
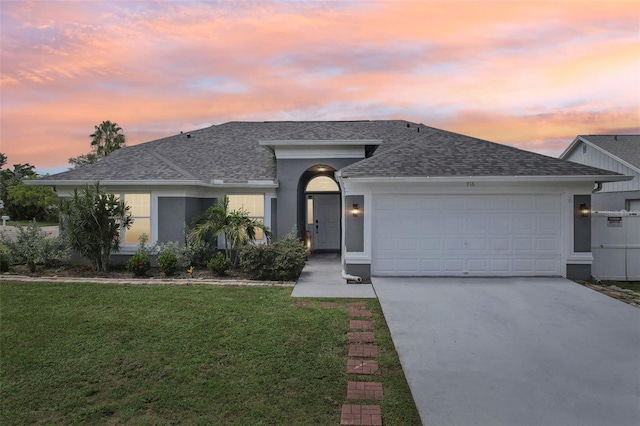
478	235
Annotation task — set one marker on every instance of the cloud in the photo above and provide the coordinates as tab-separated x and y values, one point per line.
525	72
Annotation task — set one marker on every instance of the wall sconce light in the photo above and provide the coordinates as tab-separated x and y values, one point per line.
584	210
355	210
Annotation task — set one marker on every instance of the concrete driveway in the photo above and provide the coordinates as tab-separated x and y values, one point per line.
514	351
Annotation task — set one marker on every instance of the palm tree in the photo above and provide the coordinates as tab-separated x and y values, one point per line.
107	138
236	226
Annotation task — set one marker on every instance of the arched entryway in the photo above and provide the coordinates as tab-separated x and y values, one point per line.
322	211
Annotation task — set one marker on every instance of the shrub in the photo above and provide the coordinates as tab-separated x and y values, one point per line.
91	221
280	261
219	264
139	264
168	262
32	247
5	258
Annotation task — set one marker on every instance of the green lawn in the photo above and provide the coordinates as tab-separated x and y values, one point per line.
89	353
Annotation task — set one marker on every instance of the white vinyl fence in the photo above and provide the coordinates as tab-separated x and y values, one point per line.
615	243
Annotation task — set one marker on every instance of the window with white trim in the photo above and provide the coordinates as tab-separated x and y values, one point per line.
140	209
253	204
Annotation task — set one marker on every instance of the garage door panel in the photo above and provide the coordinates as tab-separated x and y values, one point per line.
477	244
466	235
523	223
546	265
428	244
454	244
546	222
407	265
499	266
407	244
430	265
477	265
500	244
547	244
523	265
453	265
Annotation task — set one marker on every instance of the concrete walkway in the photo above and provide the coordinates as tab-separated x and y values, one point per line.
514	351
322	277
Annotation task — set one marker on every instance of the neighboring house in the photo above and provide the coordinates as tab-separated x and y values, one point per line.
393	197
615	222
618	153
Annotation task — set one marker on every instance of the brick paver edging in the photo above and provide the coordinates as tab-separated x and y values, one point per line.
361	415
148	281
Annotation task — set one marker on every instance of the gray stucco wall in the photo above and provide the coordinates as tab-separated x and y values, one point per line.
578	272
354	226
359	270
581	225
291	190
174	213
613	200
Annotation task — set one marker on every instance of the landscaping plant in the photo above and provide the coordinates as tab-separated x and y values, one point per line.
168	262
279	261
32	247
236	226
91	221
5	258
220	264
140	262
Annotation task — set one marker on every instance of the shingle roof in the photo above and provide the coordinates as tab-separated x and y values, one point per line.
231	152
438	153
625	147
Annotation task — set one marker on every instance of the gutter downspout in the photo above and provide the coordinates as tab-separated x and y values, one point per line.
350	277
598	187
346	276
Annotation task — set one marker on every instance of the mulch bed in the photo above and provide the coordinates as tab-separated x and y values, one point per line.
118	272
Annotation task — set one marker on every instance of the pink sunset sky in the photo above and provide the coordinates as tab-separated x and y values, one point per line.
532	74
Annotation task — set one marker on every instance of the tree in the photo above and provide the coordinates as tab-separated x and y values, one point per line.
236	226
91	221
32	202
22	201
106	138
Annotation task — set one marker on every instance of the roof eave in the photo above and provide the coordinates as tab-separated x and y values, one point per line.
136	183
423	179
570	148
586	141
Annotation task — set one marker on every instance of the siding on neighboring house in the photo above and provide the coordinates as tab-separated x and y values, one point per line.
596	158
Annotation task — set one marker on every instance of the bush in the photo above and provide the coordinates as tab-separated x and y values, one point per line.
139	264
32	247
280	261
91	221
219	264
168	262
5	258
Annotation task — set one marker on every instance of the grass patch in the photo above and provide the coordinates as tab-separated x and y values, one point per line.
87	353
630	285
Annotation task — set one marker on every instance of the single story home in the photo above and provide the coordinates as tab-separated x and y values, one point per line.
395	198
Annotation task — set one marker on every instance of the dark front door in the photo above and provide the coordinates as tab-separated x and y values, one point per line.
326	222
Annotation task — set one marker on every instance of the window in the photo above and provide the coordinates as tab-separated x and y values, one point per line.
322	184
253	204
633	205
140	209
